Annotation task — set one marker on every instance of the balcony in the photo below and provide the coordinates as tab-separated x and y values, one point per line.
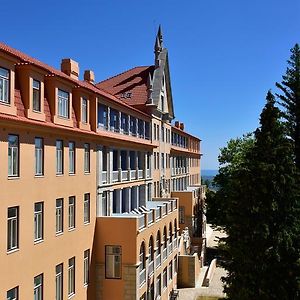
158	260
151	267
124	175
165	254
140	174
115	176
104	176
142	277
133	174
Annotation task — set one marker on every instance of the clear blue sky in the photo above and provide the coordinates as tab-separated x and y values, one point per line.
224	55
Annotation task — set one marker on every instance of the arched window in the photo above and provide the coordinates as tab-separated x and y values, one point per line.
175	229
151	249
170	233
142	257
165	238
158	243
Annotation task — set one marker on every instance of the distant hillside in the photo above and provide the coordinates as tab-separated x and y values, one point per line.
209	173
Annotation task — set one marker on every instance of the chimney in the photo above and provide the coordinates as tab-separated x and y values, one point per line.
70	67
177	124
181	126
89	76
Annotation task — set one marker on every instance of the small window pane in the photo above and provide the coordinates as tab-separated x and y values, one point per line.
4	86
36	95
113	262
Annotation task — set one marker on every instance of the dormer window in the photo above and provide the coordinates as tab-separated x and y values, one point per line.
36	95
63	104
4	86
84	110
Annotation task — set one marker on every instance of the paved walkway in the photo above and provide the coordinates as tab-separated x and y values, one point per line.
215	288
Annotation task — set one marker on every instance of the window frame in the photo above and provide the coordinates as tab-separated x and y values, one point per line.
13	159
87	208
59	281
87	158
39	287
36	91
63	104
72	157
86	267
39	152
59	155
38	222
71	276
72	216
5	95
15	219
109	253
16	293
59	217
84	110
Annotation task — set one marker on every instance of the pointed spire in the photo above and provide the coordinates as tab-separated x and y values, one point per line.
158	41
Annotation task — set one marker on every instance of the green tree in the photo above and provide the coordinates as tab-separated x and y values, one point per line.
290	99
260	198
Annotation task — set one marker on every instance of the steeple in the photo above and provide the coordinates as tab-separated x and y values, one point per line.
158	41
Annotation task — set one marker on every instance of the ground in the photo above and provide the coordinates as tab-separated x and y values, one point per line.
215	289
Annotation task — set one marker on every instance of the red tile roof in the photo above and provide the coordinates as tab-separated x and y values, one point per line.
129	86
27	59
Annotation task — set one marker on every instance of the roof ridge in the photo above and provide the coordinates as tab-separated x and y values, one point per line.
114	76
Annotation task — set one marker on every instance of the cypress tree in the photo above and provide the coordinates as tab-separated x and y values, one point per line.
262	216
290	99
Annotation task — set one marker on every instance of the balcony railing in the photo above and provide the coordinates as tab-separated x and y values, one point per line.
175	243
170	247
124	175
151	267
140	174
150	217
133	174
158	260
115	176
158	213
148	173
104	176
164	210
142	221
165	253
142	277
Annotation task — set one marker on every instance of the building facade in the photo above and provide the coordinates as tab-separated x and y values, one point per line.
97	182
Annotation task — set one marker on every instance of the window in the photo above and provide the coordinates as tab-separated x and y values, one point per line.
38	220
71	212
39	156
114	120
102	116
59	157
59	282
4	86
162	104
113	262
84	110
86	267
63	104
158	285
13	155
175	264
133	125
181	214
12	228
86	158
142	264
13	294
165	278
72	158
86	208
36	95
38	287
171	270
59	214
124	123
71	276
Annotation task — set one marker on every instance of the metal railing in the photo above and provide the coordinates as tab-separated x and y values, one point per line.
150	217
158	213
142	277
151	267
115	176
142	223
104	176
133	174
140	174
124	175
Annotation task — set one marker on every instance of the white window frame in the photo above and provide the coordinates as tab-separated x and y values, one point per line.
36	91
38	287
13	228
4	86
59	277
13	294
87	208
113	262
59	157
71	277
87	157
72	212
59	216
38	221
86	267
72	158
39	156
63	104
13	156
84	110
